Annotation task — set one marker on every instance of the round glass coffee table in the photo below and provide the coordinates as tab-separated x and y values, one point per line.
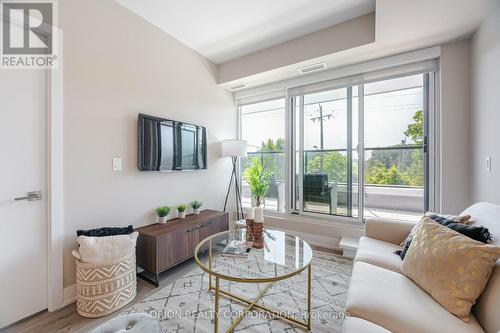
282	256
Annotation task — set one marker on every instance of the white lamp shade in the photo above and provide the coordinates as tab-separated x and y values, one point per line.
233	148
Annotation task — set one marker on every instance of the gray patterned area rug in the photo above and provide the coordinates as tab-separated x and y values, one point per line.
187	305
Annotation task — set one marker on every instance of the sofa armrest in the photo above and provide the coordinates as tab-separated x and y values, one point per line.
388	231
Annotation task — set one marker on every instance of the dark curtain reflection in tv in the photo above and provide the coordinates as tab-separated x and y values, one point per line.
150	145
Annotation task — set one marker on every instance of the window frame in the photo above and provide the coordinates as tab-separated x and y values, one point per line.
291	91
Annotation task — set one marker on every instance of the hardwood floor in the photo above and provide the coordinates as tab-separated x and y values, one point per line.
68	320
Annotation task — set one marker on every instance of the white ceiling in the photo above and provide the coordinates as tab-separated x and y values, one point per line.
222	30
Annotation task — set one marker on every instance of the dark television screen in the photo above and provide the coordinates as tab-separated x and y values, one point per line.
167	145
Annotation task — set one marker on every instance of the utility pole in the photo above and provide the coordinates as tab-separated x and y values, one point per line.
321	135
321	142
321	125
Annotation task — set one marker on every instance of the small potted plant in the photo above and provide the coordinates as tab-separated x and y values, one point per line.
258	178
162	213
196	205
182	211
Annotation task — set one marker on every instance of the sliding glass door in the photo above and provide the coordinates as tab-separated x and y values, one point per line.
395	113
351	151
327	122
334	131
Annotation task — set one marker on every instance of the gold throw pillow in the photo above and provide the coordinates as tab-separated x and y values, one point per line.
451	267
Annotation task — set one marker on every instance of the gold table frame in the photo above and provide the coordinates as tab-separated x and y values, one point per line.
251	303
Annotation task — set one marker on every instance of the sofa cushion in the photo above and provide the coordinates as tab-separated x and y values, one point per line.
378	253
451	267
359	325
393	301
486	309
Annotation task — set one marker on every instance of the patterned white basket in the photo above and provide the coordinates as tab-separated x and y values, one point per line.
102	289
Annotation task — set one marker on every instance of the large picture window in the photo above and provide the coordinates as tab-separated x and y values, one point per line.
353	151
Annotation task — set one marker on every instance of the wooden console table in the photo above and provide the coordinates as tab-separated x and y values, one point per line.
162	246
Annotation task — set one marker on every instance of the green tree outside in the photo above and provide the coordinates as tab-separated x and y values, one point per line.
334	164
384	167
415	130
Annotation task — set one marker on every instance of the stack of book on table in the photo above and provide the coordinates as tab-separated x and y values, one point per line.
236	248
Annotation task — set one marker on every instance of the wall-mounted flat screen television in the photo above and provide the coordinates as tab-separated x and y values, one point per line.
168	145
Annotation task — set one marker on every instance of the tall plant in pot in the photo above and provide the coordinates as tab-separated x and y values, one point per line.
182	210
162	213
258	178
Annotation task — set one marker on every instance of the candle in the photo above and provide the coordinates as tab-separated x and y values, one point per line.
259	214
251	213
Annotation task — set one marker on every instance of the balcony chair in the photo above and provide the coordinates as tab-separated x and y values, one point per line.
317	189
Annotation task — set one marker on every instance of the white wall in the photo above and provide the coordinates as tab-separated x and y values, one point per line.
455	129
117	65
485	116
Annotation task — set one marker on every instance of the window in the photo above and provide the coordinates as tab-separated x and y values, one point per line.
394	148
263	127
329	131
355	150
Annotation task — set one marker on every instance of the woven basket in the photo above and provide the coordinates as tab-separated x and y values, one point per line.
102	289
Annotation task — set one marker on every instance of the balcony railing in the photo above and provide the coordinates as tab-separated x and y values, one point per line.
393	177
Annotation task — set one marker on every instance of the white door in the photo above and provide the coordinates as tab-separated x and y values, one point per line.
23	223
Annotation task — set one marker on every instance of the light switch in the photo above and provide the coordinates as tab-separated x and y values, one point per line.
487	164
117	164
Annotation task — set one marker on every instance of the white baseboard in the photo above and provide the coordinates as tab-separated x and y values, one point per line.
69	295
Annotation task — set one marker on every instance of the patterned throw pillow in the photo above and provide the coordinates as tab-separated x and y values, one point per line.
452	268
478	233
463	219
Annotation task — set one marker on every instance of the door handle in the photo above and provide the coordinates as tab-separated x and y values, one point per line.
32	196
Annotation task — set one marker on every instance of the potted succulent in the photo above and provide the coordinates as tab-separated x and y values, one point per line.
182	210
196	205
162	213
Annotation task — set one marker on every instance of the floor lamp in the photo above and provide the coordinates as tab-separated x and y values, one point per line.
234	149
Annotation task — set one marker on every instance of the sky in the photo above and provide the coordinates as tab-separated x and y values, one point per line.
389	108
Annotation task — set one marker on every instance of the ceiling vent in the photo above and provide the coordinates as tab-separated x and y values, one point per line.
237	86
312	68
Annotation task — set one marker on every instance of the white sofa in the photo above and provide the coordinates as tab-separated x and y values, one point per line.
381	299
